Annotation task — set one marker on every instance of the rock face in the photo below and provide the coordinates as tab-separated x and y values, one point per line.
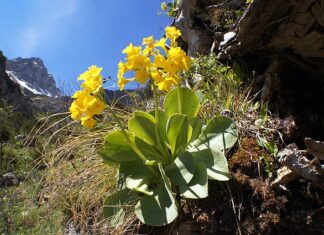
32	75
10	93
26	86
280	42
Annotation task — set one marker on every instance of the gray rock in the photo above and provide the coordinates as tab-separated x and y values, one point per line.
9	179
32	75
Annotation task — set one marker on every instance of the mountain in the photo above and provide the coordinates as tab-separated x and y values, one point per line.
10	92
32	76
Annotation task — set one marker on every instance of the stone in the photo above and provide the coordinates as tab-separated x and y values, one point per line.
9	179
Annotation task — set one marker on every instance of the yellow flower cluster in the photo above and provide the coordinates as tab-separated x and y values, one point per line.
156	60
87	102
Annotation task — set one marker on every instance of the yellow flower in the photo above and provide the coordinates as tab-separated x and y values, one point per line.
159	61
138	62
88	122
163	6
92	79
141	76
156	61
93	105
122	82
77	107
161	43
131	50
86	104
172	33
177	60
149	43
76	111
93	71
167	83
172	67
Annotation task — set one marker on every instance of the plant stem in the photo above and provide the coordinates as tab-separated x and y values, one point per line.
179	99
157	121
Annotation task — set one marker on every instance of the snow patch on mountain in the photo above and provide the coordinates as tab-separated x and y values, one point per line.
32	76
25	85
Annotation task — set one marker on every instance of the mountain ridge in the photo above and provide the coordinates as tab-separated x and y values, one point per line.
32	76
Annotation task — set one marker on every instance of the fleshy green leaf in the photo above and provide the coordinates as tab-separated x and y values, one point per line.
137	176
117	148
177	132
220	133
190	102
150	152
143	125
182	169
116	201
159	209
198	186
162	124
196	125
216	163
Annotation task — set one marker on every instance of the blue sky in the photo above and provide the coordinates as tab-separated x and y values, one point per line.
70	35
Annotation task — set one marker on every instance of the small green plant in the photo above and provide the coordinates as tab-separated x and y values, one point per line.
163	154
188	154
262	121
171	7
271	147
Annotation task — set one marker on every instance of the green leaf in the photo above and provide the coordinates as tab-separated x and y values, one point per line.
139	185
143	125
166	180
177	132
182	169
190	102
137	176
198	186
196	125
216	163
159	209
115	202
220	133
162	124
117	148
150	152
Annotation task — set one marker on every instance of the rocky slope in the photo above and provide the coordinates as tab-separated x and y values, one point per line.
32	76
10	93
26	85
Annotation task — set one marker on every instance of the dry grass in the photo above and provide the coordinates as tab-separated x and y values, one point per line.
75	179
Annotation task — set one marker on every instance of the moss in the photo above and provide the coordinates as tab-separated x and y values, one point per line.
21	213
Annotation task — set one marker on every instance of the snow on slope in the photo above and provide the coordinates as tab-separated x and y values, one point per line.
26	85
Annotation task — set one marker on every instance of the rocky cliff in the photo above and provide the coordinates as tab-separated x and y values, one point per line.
33	77
10	93
280	42
26	86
